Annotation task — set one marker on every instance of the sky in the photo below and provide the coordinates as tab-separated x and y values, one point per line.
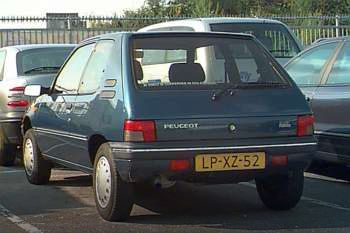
84	8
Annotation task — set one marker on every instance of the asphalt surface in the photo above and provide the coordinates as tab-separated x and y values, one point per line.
66	204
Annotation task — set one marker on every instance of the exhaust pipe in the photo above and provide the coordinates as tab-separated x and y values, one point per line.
162	182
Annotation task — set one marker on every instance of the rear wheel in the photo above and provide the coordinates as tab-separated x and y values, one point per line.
113	196
38	170
281	192
7	151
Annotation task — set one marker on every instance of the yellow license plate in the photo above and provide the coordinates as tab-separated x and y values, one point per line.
228	162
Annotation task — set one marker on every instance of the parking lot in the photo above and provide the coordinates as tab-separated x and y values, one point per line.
67	205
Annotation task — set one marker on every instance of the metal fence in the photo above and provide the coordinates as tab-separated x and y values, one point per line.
33	30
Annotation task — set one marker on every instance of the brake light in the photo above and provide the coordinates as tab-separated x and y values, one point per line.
139	131
305	125
17	89
18	103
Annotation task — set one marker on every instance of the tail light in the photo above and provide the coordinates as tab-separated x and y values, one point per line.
305	125
139	131
18	103
17	92
17	89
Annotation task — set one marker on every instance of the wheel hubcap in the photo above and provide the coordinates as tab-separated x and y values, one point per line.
28	156
103	182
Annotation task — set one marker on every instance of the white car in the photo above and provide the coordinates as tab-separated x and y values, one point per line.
273	34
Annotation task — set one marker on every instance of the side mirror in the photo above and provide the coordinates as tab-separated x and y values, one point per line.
33	90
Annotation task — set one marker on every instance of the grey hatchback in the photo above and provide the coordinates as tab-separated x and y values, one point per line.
135	107
22	65
323	74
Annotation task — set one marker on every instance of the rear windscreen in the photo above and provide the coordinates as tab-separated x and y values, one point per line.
202	62
41	60
275	37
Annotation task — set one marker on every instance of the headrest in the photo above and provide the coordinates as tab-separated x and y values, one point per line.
186	72
138	70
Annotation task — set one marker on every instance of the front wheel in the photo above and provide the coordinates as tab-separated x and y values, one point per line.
281	192
38	170
113	196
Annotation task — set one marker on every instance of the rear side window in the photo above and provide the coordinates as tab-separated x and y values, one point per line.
43	60
275	37
340	73
306	69
68	79
202	62
2	63
96	67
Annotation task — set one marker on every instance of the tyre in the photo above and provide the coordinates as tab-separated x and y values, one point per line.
281	192
113	196
37	169
7	151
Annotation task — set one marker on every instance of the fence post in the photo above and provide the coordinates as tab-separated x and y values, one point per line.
337	25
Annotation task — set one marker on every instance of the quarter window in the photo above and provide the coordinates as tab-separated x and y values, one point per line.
97	67
68	80
306	69
340	73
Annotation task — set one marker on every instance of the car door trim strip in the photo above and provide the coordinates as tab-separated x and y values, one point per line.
332	134
214	148
65	161
61	133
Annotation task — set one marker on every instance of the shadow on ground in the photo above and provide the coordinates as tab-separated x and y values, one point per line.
333	170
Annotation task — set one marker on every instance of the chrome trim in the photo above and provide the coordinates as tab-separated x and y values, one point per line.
65	161
332	134
214	148
61	133
11	120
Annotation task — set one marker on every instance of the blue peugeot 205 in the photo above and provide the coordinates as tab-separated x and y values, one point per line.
135	107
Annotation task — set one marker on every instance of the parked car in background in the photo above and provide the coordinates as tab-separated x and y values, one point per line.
273	34
20	66
323	73
119	111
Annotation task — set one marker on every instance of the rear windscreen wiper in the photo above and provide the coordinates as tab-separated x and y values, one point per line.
230	89
42	68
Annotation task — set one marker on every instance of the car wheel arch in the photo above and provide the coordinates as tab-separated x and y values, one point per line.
94	143
26	124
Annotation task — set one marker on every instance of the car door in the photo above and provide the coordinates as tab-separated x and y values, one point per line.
87	115
308	68
54	115
331	105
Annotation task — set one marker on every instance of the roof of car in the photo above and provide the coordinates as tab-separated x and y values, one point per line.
212	20
236	20
38	46
115	34
325	40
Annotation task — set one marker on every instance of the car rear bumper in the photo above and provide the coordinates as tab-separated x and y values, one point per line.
140	161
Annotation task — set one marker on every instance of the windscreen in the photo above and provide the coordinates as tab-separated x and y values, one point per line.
202	62
275	37
41	60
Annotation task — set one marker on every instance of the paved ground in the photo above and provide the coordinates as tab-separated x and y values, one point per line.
66	205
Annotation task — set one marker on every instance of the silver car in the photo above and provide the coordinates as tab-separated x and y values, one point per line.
323	73
20	66
273	34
